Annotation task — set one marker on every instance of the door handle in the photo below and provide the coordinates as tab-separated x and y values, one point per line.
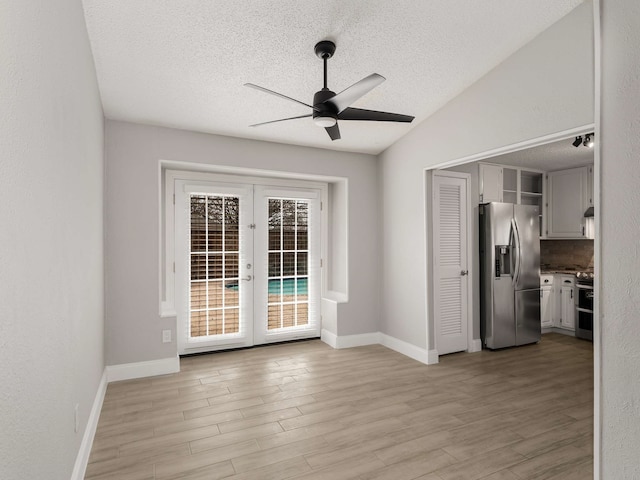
515	275
464	272
248	278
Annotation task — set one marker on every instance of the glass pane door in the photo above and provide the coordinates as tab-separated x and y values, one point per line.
288	297
217	309
214	300
287	258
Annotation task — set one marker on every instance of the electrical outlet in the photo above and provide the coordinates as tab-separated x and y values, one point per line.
166	336
76	418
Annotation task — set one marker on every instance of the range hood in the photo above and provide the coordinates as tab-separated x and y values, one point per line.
588	213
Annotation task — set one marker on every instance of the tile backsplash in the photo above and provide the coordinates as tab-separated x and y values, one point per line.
566	254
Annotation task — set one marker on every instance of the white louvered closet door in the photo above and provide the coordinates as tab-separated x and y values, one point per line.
451	278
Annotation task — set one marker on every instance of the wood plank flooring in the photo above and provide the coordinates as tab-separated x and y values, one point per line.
306	411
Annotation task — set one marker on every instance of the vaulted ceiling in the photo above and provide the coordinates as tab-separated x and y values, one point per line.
183	63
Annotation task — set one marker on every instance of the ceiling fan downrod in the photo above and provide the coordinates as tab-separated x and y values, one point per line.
325	50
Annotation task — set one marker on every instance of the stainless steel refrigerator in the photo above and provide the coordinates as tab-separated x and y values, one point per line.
509	275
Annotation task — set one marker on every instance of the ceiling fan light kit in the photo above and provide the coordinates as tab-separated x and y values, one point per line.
329	107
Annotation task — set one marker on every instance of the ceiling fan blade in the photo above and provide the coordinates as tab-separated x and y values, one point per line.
280	120
334	132
266	90
349	95
373	116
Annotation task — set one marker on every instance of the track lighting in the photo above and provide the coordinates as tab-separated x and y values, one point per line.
588	140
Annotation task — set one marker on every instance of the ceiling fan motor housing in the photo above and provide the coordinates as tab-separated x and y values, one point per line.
322	109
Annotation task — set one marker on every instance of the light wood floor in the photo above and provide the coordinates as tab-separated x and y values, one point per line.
306	411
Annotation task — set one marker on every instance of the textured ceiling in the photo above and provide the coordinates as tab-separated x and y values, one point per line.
183	63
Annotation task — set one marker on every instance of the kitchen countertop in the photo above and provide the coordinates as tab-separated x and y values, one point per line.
563	271
558	272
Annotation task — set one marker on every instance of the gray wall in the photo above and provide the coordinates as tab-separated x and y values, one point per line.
620	229
545	87
133	152
51	259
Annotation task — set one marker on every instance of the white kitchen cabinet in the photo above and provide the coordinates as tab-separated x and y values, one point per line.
568	195
590	186
567	307
547	306
547	301
490	184
502	183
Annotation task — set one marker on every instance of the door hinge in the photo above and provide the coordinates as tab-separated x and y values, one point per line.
174	198
320	263
252	226
174	267
320	206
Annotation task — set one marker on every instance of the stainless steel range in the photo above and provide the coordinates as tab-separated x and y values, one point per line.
584	305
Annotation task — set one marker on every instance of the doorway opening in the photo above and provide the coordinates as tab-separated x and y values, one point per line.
519	174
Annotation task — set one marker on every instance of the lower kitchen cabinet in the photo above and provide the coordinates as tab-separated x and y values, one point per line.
566	303
546	306
557	301
547	301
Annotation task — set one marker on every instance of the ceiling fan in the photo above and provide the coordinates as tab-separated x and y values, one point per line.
329	107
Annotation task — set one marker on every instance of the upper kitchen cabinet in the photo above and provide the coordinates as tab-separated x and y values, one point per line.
490	184
501	183
570	193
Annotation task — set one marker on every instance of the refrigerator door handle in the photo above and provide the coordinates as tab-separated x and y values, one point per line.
516	242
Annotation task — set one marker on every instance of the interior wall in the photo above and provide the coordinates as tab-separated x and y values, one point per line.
51	260
620	228
133	325
544	88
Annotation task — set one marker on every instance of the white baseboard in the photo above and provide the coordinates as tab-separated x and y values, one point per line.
349	341
475	345
422	355
433	357
128	371
429	357
82	459
329	338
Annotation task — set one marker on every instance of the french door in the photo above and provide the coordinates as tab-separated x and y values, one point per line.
247	265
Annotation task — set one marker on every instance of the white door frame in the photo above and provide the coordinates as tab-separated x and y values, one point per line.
176	181
471	347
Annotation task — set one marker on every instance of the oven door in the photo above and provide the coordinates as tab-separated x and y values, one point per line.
585	296
584	323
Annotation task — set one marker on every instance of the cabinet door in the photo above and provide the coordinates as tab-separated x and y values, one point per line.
567	203
546	306
590	186
490	183
567	319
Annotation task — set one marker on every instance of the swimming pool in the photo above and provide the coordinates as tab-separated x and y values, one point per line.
288	286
